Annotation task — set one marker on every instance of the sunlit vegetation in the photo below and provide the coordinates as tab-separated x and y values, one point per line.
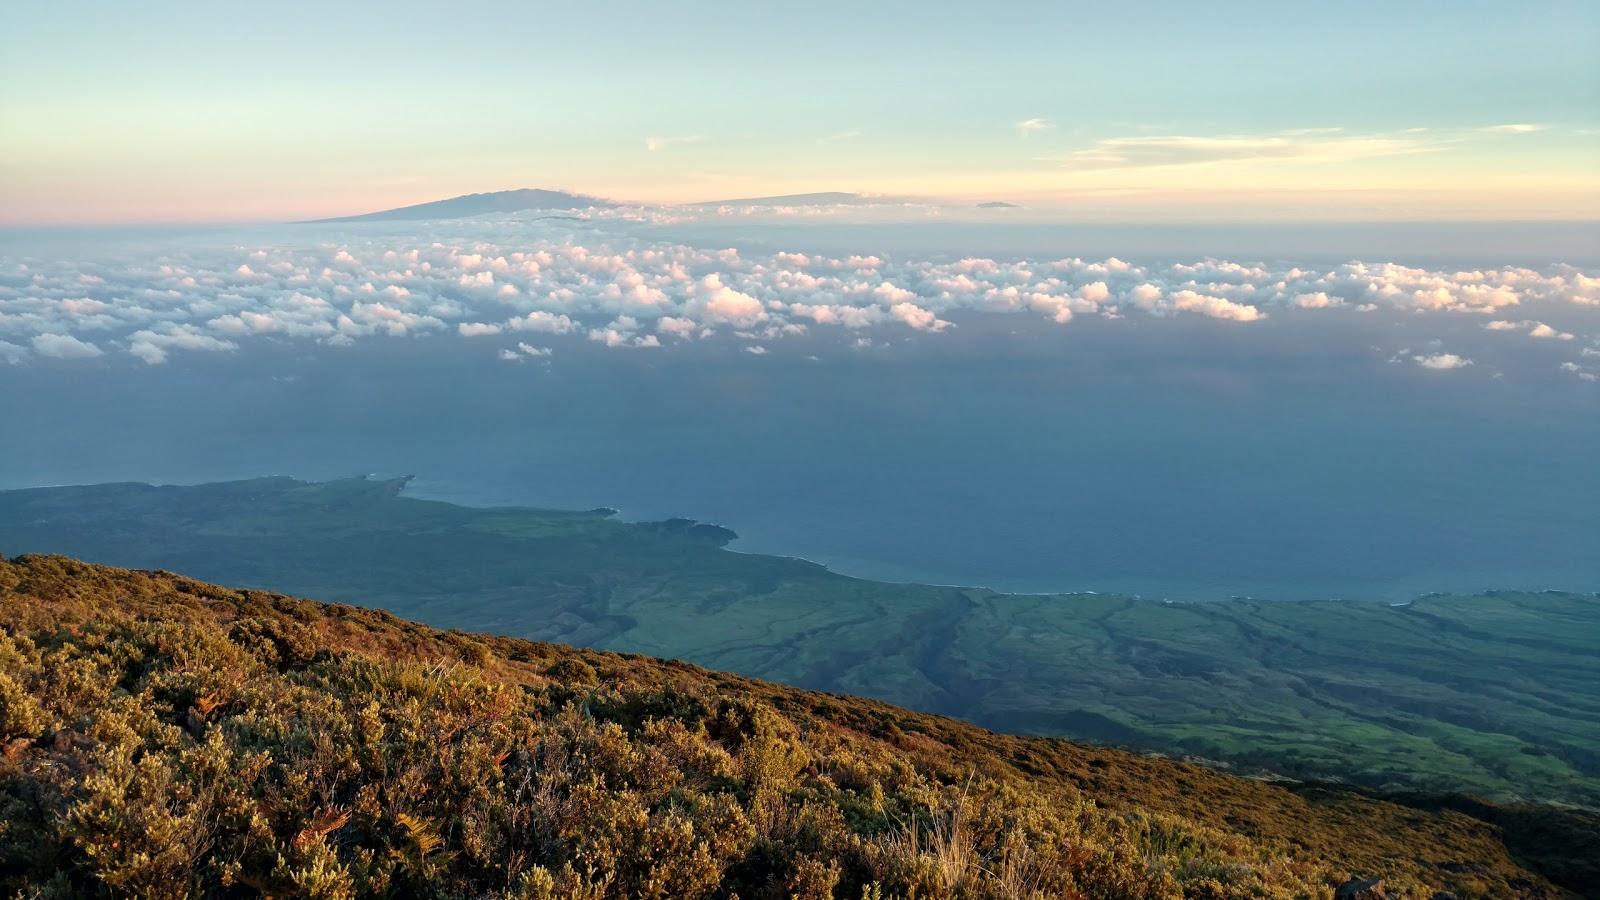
1496	695
163	737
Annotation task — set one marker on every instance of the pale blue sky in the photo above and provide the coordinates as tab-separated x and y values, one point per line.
116	112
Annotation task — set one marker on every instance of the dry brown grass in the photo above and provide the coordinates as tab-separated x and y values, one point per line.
165	737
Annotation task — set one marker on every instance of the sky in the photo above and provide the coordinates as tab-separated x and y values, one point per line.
1135	112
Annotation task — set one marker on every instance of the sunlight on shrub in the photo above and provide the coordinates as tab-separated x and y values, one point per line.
189	741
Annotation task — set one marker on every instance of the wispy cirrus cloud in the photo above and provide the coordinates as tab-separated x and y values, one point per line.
657	143
1514	128
1299	145
1029	127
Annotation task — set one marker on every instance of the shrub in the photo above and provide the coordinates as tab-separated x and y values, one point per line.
190	741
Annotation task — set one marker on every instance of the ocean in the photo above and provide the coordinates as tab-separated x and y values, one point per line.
1183	457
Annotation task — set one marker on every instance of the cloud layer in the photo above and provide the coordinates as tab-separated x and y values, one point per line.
539	284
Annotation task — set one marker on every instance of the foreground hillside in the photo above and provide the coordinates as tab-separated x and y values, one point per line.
164	737
1495	695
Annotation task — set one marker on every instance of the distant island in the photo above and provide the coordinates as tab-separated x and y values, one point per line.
998	204
523	199
478	204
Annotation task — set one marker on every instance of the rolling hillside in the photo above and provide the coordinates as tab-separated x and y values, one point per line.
1495	695
164	737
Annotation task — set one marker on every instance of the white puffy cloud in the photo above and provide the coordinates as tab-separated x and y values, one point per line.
1146	296
489	278
891	293
63	346
853	317
1538	330
546	322
620	333
721	303
1441	361
152	345
1317	300
1541	330
677	327
1215	307
382	318
1094	292
917	318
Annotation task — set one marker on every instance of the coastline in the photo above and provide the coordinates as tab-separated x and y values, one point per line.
1169	590
1395	593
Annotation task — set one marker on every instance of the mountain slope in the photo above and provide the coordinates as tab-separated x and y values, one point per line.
166	737
478	204
1495	695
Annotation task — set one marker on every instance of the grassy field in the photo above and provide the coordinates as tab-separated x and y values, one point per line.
1497	695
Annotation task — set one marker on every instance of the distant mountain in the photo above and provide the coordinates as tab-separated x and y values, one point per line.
823	198
998	204
534	198
478	204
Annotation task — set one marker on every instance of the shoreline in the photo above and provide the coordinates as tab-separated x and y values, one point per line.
407	487
1394	599
412	487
